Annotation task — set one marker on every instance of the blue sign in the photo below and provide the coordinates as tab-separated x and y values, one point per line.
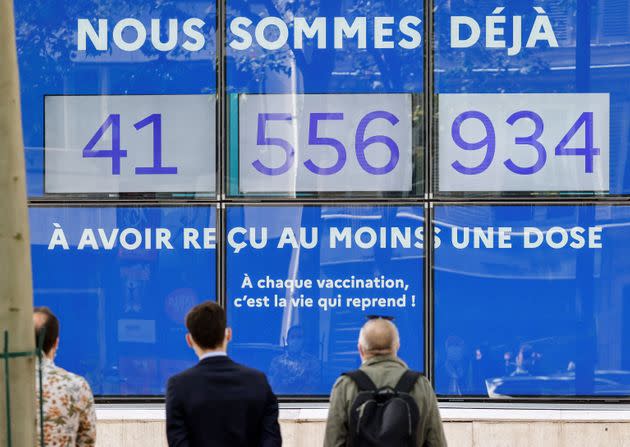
89	47
325	46
302	279
532	301
121	280
541	50
339	65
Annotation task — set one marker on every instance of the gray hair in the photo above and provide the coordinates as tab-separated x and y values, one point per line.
379	337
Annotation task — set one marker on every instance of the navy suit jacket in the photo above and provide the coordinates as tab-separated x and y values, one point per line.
219	403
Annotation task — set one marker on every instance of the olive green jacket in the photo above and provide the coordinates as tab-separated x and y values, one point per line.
384	371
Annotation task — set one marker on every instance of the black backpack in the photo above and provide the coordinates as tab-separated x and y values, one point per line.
384	417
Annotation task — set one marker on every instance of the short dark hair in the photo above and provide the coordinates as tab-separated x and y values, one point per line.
206	323
46	333
295	330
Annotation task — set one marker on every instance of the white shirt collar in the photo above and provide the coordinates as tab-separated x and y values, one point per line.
208	355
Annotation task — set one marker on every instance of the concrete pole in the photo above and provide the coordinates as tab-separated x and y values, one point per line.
16	290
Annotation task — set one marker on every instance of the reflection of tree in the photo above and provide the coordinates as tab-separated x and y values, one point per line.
501	73
46	41
257	63
394	69
397	67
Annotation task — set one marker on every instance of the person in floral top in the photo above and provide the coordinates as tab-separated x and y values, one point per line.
69	418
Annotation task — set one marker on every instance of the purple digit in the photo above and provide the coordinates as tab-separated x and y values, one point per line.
531	140
314	140
115	153
361	143
263	140
157	168
588	151
489	140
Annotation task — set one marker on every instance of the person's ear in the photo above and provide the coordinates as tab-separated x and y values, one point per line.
228	334
189	341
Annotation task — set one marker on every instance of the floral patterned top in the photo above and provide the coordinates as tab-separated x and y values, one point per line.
69	418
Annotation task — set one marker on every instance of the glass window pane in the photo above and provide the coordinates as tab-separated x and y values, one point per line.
302	279
119	104
532	98
120	280
325	98
532	301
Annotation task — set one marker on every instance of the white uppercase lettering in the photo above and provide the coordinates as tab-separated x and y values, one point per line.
238	28
172	32
516	36
541	30
192	30
406	27
380	32
473	26
493	30
302	29
342	27
269	33
85	30
137	42
281	39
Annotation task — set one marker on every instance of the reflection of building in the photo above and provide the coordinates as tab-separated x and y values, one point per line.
611	22
295	371
557	319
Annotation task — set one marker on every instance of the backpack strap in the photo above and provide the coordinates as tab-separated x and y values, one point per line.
407	381
362	380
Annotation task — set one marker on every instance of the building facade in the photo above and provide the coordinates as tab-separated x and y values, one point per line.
460	166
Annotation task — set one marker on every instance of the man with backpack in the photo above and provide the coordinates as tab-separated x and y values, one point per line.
383	403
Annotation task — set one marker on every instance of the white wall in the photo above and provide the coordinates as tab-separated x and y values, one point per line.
532	427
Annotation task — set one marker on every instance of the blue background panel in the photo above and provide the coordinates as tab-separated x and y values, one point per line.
533	322
593	55
122	311
50	63
325	70
303	350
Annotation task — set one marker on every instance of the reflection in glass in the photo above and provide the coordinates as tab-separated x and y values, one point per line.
295	369
122	311
318	110
585	49
359	260
542	311
52	62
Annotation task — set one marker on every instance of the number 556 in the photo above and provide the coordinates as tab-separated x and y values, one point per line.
361	144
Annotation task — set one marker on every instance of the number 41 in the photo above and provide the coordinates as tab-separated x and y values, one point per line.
116	153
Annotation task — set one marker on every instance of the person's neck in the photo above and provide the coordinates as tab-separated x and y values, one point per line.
47	359
204	352
368	357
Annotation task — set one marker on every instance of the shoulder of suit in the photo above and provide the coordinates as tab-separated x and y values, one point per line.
250	371
187	372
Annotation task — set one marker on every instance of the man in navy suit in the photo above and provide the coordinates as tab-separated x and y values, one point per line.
218	403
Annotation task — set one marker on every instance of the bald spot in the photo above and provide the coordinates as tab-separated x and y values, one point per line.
39	319
379	337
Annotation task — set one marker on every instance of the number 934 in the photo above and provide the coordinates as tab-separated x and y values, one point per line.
489	142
